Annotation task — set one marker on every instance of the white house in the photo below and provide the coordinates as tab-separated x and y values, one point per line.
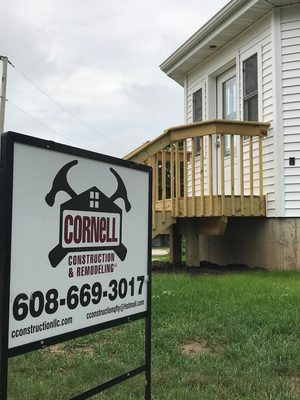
231	173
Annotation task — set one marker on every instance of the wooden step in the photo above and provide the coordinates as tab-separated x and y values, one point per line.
212	226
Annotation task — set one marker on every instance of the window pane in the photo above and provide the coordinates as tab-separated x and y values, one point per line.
251	109
250	75
229	99
197	106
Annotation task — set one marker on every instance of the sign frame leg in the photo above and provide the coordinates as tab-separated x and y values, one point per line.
148	333
5	245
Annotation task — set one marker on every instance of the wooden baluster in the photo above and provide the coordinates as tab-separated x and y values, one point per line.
242	174
232	173
261	183
185	178
202	175
163	185
177	169
193	179
251	175
172	178
222	144
157	176
210	172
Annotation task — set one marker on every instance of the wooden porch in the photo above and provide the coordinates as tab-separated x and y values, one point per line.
211	169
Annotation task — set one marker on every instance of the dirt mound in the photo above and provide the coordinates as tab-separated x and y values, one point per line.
204	268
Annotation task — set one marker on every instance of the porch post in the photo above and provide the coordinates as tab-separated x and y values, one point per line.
175	244
192	244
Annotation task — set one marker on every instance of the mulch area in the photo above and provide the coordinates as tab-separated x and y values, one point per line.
204	268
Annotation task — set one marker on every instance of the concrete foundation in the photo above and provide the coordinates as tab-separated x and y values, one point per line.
272	243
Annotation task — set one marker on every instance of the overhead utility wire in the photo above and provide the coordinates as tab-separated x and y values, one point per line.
38	120
64	108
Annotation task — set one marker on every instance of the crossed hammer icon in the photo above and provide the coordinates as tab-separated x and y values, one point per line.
107	205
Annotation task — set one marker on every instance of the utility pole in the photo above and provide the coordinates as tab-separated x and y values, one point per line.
3	92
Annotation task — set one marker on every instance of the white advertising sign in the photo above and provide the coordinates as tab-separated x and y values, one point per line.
79	243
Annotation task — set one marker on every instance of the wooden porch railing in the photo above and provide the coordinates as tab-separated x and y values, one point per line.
210	168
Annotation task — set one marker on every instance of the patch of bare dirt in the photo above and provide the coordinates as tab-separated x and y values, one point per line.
193	348
87	349
57	348
296	385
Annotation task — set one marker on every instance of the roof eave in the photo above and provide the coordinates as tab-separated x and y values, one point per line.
200	34
172	66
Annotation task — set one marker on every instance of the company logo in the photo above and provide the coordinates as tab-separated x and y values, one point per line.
89	220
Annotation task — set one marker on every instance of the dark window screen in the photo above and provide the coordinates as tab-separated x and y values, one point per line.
197	114
250	89
197	105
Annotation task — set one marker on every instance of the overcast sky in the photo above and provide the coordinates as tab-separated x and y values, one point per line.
100	61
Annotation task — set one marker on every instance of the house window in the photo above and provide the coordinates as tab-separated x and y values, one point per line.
229	99
94	199
229	108
197	114
250	89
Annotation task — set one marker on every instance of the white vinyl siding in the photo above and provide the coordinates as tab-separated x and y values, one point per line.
258	40
290	64
267	116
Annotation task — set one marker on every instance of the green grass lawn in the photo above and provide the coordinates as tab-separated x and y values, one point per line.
233	336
